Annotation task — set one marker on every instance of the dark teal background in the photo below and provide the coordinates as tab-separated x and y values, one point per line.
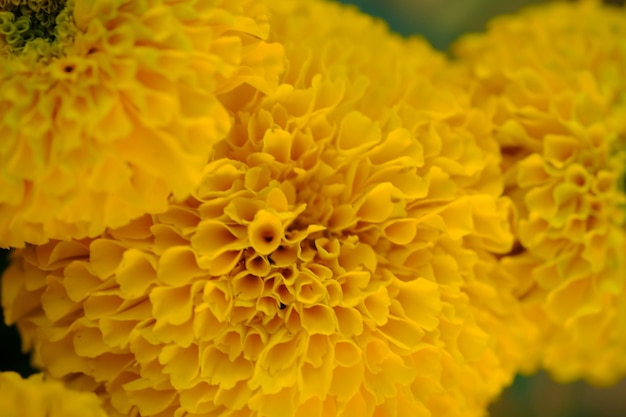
11	356
439	21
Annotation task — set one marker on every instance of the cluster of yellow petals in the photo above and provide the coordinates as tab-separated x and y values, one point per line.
553	80
108	107
37	396
337	258
255	208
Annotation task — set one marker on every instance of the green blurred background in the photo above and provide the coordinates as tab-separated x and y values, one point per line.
441	22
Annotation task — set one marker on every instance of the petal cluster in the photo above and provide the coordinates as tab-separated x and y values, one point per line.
108	107
338	257
255	208
37	396
552	78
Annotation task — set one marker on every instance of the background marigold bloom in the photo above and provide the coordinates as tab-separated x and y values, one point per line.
109	106
336	259
40	397
553	78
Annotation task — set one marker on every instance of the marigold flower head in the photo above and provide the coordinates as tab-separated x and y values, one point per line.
335	259
109	106
38	396
552	78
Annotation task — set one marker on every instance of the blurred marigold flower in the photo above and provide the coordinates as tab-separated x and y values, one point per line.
553	79
336	259
40	397
109	106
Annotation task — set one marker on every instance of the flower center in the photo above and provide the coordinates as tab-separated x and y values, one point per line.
32	24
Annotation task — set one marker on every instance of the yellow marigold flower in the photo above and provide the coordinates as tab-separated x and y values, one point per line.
553	78
335	260
37	396
109	106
